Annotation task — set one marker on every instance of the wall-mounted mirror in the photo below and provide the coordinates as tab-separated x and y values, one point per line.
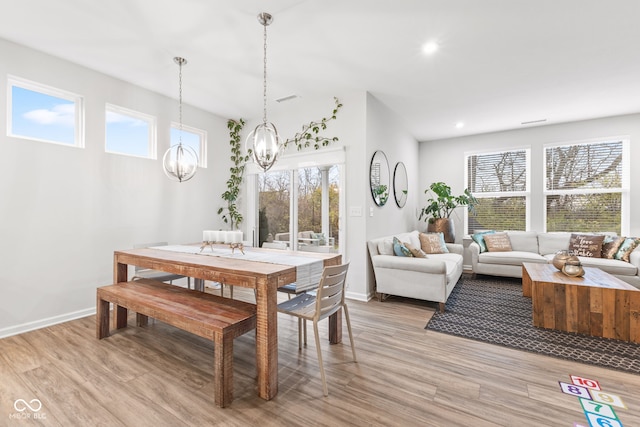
400	184
379	178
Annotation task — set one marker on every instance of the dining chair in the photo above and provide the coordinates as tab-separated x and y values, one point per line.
162	276
315	306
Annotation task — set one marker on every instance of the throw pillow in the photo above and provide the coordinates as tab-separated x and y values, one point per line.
587	245
433	243
321	239
400	249
626	248
498	242
479	239
416	252
610	246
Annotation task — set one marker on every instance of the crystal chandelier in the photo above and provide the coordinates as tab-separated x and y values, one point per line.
264	140
180	162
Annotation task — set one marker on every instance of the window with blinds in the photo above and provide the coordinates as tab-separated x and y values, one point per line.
500	182
585	186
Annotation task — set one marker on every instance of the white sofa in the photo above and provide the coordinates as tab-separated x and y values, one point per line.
531	246
430	279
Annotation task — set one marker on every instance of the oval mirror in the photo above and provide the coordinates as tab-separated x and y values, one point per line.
400	184
379	178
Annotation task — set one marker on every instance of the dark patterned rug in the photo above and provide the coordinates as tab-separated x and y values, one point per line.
493	310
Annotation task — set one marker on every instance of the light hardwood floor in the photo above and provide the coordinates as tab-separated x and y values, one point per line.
405	376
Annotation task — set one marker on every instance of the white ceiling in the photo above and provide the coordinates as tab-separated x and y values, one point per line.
500	63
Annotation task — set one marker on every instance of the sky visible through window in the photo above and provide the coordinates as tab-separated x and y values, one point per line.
127	135
39	116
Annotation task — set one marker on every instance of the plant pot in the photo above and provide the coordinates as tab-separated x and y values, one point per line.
444	226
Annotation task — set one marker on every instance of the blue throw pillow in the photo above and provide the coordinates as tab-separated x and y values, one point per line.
479	239
400	249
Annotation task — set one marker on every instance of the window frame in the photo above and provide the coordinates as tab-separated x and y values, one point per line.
624	190
76	99
202	152
152	122
495	194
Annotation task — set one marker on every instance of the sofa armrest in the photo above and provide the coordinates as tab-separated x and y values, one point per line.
474	251
455	248
634	258
422	265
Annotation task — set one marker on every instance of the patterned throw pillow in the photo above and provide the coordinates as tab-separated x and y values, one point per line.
433	243
400	249
498	242
626	248
587	245
416	252
479	239
610	246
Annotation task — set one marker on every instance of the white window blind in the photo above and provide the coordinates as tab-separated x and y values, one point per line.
500	183
584	186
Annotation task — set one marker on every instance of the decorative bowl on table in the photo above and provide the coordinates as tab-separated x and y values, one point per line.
561	258
573	268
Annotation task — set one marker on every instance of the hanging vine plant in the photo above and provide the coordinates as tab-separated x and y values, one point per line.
232	216
308	136
310	133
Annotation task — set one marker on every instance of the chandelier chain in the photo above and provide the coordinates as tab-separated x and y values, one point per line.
264	75
180	100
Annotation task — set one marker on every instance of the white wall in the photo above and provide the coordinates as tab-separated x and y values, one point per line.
63	210
444	160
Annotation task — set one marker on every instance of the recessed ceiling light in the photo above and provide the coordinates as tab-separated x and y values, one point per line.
430	48
459	125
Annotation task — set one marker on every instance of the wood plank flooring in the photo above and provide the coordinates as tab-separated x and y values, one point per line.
405	376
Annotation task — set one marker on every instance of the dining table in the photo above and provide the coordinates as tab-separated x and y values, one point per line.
237	269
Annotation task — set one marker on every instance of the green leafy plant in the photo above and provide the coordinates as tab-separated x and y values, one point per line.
442	203
232	215
310	133
381	194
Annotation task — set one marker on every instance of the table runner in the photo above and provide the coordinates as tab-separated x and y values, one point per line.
308	270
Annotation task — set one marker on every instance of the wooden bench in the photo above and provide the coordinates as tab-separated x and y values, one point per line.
209	316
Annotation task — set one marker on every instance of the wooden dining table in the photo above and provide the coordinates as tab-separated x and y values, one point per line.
264	277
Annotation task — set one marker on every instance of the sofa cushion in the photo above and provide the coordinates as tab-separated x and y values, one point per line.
385	246
415	251
511	258
433	243
525	241
498	242
400	249
611	266
550	243
586	245
626	248
610	246
479	239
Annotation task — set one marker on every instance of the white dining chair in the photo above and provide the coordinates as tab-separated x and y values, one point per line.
161	276
325	301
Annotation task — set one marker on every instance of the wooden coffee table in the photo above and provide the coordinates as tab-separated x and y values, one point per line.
596	304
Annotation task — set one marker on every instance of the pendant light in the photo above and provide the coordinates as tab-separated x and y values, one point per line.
180	162
264	140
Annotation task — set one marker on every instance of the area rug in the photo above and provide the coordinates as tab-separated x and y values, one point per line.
494	311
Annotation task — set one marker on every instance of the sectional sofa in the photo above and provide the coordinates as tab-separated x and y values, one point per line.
532	246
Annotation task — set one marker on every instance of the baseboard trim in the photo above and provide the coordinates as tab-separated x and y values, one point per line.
43	323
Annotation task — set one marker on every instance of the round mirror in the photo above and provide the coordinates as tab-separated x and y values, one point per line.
400	184
379	178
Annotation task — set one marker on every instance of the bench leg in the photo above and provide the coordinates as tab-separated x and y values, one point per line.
142	320
102	318
223	369
120	314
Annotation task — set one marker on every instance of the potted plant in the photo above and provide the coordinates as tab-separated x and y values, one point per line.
441	205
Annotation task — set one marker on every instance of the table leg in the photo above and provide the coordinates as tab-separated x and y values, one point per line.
335	327
198	285
120	274
267	339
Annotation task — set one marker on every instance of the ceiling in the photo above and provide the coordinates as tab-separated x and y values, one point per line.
500	62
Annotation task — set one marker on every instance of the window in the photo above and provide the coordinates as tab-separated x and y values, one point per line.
500	182
194	138
44	113
585	186
129	132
